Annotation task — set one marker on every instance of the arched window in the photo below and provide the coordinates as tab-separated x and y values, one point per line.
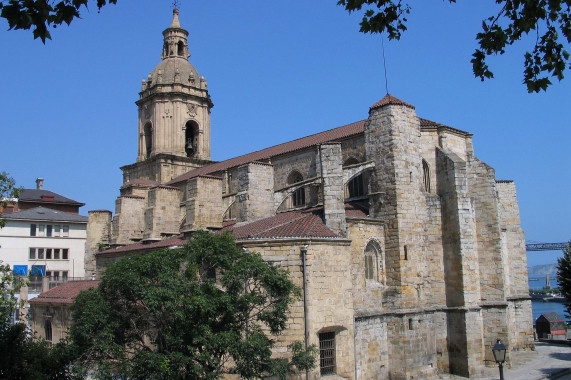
298	196
426	176
48	330
148	139
180	48
191	138
374	262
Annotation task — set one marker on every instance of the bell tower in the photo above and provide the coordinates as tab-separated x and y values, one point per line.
174	114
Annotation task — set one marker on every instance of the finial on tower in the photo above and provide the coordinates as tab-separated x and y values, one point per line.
175	21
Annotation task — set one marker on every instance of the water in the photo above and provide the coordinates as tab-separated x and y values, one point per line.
539	307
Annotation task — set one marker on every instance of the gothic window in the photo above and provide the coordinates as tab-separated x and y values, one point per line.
374	262
426	176
148	139
48	330
356	186
327	353
298	196
191	138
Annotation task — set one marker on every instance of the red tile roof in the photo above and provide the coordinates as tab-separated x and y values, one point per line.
264	154
354	211
292	224
389	99
64	293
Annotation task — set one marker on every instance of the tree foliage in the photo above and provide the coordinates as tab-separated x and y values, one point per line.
564	277
549	21
163	315
8	190
39	15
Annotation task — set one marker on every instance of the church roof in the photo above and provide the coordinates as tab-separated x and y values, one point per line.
292	224
291	146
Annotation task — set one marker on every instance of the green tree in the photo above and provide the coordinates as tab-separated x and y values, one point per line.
190	313
39	15
8	190
564	277
549	21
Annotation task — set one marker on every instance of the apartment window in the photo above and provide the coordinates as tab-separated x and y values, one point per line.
49	274
56	253
56	275
64	254
65	231
48	253
327	353
48	330
32	253
40	252
57	229
32	230
41	230
49	229
64	275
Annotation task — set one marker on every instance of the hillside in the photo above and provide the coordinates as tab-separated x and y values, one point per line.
542	270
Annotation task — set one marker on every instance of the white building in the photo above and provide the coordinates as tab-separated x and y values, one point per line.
44	242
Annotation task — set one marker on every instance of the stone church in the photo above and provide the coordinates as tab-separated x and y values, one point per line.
408	249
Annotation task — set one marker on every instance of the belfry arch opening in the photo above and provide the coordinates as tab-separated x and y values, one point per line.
191	138
148	139
180	48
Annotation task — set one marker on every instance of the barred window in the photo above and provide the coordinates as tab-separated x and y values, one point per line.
327	352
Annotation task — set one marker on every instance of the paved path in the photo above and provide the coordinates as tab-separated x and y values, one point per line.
548	361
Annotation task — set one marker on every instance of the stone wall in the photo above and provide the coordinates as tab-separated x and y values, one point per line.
162	215
329	292
203	203
255	197
98	235
333	187
128	222
303	162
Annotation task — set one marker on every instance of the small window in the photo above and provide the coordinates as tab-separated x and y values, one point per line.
65	231
426	176
49	274
56	253
42	230
32	253
64	275
327	353
48	253
48	330
32	230
298	197
49	229
56	275
356	187
57	229
64	254
40	252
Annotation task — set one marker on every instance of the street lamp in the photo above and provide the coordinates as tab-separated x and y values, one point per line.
499	351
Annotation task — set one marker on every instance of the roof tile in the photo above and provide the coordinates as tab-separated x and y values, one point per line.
64	293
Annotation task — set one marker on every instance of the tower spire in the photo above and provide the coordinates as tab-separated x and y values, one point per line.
175	21
176	39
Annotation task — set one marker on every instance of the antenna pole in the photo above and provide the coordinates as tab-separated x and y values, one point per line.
385	64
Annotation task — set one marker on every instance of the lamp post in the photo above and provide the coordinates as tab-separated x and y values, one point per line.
499	351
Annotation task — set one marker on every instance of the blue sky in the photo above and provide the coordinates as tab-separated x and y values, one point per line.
276	70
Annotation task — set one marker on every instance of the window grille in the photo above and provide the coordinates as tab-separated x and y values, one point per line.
327	352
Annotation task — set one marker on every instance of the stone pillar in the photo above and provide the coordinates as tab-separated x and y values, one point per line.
461	266
162	216
98	236
331	160
255	196
204	208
